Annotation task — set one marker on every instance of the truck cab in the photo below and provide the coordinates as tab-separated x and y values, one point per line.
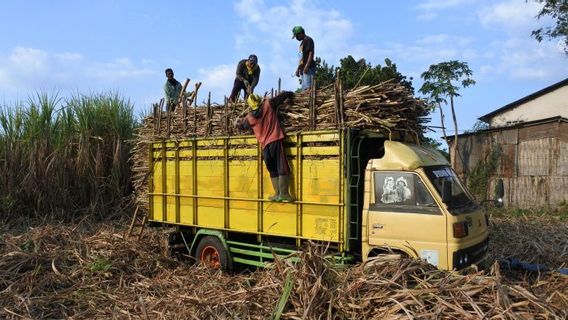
414	204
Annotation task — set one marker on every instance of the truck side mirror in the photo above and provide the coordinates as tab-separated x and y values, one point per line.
499	193
446	191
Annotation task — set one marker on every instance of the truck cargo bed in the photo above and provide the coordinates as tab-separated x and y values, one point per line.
221	183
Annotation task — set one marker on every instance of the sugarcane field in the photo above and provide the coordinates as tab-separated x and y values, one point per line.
284	160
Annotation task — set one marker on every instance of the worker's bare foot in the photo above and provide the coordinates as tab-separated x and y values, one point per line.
274	198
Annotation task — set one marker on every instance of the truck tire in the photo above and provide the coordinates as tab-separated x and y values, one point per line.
211	253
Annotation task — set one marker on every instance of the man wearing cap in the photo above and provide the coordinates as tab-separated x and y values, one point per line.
307	65
248	74
263	120
172	90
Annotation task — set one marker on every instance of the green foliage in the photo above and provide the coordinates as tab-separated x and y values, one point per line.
563	209
65	155
439	84
358	72
100	265
7	202
479	126
478	177
558	11
440	78
561	213
436	145
27	246
325	74
288	285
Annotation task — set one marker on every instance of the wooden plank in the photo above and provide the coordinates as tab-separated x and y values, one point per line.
562	159
563	131
507	161
528	192
508	136
541	131
557	191
534	157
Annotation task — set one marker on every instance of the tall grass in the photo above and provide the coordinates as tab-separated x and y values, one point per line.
65	156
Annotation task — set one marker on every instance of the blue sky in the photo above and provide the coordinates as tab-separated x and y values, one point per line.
71	46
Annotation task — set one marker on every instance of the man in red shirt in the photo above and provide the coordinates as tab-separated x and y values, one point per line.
263	120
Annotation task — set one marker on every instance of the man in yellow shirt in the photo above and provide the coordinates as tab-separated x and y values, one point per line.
248	74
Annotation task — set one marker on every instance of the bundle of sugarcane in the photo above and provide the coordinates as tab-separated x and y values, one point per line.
386	106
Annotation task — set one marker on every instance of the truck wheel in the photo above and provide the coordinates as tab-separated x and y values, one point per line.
213	254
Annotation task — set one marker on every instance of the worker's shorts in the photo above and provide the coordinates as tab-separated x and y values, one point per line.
275	159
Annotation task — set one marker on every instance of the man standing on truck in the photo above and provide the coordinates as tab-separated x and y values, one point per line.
248	74
172	90
307	65
263	120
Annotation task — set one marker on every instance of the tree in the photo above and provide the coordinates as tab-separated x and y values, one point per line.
439	85
355	73
557	10
325	74
434	144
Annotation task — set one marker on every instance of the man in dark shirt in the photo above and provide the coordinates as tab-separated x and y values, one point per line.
172	90
307	65
263	120
248	74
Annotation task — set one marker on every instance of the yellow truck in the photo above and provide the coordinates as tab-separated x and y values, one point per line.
358	191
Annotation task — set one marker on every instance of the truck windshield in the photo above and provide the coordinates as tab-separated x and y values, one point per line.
459	202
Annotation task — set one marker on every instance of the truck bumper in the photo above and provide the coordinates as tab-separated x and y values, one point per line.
476	254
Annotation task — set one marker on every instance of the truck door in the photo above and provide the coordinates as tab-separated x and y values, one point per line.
403	214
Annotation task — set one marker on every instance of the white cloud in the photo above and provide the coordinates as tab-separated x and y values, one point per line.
518	56
525	59
435	38
445	39
442	4
513	15
25	70
426	16
432	9
268	28
218	80
118	70
28	60
217	76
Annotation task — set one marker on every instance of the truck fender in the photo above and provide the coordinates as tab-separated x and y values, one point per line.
375	251
207	232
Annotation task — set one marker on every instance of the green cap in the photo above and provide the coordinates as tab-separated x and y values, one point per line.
296	30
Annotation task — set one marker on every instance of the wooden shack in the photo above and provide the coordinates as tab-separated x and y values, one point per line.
530	138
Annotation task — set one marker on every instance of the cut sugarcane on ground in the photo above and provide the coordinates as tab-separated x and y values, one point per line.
91	270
